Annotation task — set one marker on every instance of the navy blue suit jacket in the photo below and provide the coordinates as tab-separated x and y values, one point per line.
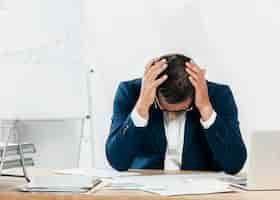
219	148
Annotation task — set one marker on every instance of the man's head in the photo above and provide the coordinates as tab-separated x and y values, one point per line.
177	92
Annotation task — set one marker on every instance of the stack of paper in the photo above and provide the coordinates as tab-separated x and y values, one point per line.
98	173
60	183
169	185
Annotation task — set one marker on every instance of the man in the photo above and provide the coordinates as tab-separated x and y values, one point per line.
175	119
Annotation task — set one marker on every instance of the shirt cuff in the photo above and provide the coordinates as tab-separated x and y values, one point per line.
208	123
137	119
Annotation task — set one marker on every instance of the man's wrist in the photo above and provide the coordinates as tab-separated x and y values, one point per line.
207	124
137	119
206	112
142	110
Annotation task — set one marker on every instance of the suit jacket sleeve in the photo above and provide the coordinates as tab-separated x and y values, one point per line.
224	137
125	138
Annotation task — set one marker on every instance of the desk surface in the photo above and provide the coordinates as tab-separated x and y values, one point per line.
8	191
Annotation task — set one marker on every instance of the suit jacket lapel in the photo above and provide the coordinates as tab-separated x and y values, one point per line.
158	129
190	131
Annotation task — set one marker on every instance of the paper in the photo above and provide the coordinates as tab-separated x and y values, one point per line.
169	185
93	172
75	190
60	183
234	180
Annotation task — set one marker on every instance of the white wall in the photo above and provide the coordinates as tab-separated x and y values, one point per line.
236	41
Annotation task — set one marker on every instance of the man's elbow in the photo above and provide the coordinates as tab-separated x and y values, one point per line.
117	166
114	160
237	162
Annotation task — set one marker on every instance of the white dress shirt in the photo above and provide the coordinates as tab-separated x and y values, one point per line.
174	130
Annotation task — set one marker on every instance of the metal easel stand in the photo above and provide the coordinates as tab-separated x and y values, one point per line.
85	139
14	129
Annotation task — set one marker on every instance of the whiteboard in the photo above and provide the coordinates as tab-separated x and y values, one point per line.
43	91
41	70
35	24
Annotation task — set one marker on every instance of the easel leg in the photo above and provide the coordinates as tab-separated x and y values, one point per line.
3	157
17	134
82	137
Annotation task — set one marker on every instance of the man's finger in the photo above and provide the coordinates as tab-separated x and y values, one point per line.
201	73
193	66
158	65
157	71
159	81
193	82
150	64
193	74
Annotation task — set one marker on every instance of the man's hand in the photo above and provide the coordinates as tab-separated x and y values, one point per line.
202	102
149	86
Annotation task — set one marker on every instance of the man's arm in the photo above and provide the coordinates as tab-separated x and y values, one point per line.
224	137
221	126
125	139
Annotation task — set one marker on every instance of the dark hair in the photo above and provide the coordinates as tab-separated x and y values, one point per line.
177	87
